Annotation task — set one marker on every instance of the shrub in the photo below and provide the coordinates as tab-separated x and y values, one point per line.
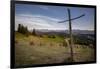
32	43
51	36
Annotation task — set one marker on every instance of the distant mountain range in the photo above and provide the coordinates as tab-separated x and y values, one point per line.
63	32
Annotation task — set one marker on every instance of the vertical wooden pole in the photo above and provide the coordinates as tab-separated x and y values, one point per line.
70	32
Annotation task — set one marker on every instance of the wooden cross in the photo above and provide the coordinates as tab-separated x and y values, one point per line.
70	31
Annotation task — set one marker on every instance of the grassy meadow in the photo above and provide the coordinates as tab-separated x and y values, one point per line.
33	50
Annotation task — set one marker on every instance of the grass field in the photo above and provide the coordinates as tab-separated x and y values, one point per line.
31	50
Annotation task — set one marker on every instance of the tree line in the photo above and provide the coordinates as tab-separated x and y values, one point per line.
24	30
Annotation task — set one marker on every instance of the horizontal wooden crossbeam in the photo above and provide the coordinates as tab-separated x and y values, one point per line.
72	18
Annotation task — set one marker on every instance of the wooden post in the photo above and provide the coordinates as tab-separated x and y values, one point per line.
71	38
70	31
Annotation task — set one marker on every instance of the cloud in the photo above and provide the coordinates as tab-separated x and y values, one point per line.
38	22
44	7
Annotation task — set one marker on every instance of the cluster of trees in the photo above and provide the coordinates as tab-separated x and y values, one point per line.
24	30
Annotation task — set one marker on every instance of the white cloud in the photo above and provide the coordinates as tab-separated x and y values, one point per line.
38	22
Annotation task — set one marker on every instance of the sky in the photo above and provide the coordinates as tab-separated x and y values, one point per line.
48	17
